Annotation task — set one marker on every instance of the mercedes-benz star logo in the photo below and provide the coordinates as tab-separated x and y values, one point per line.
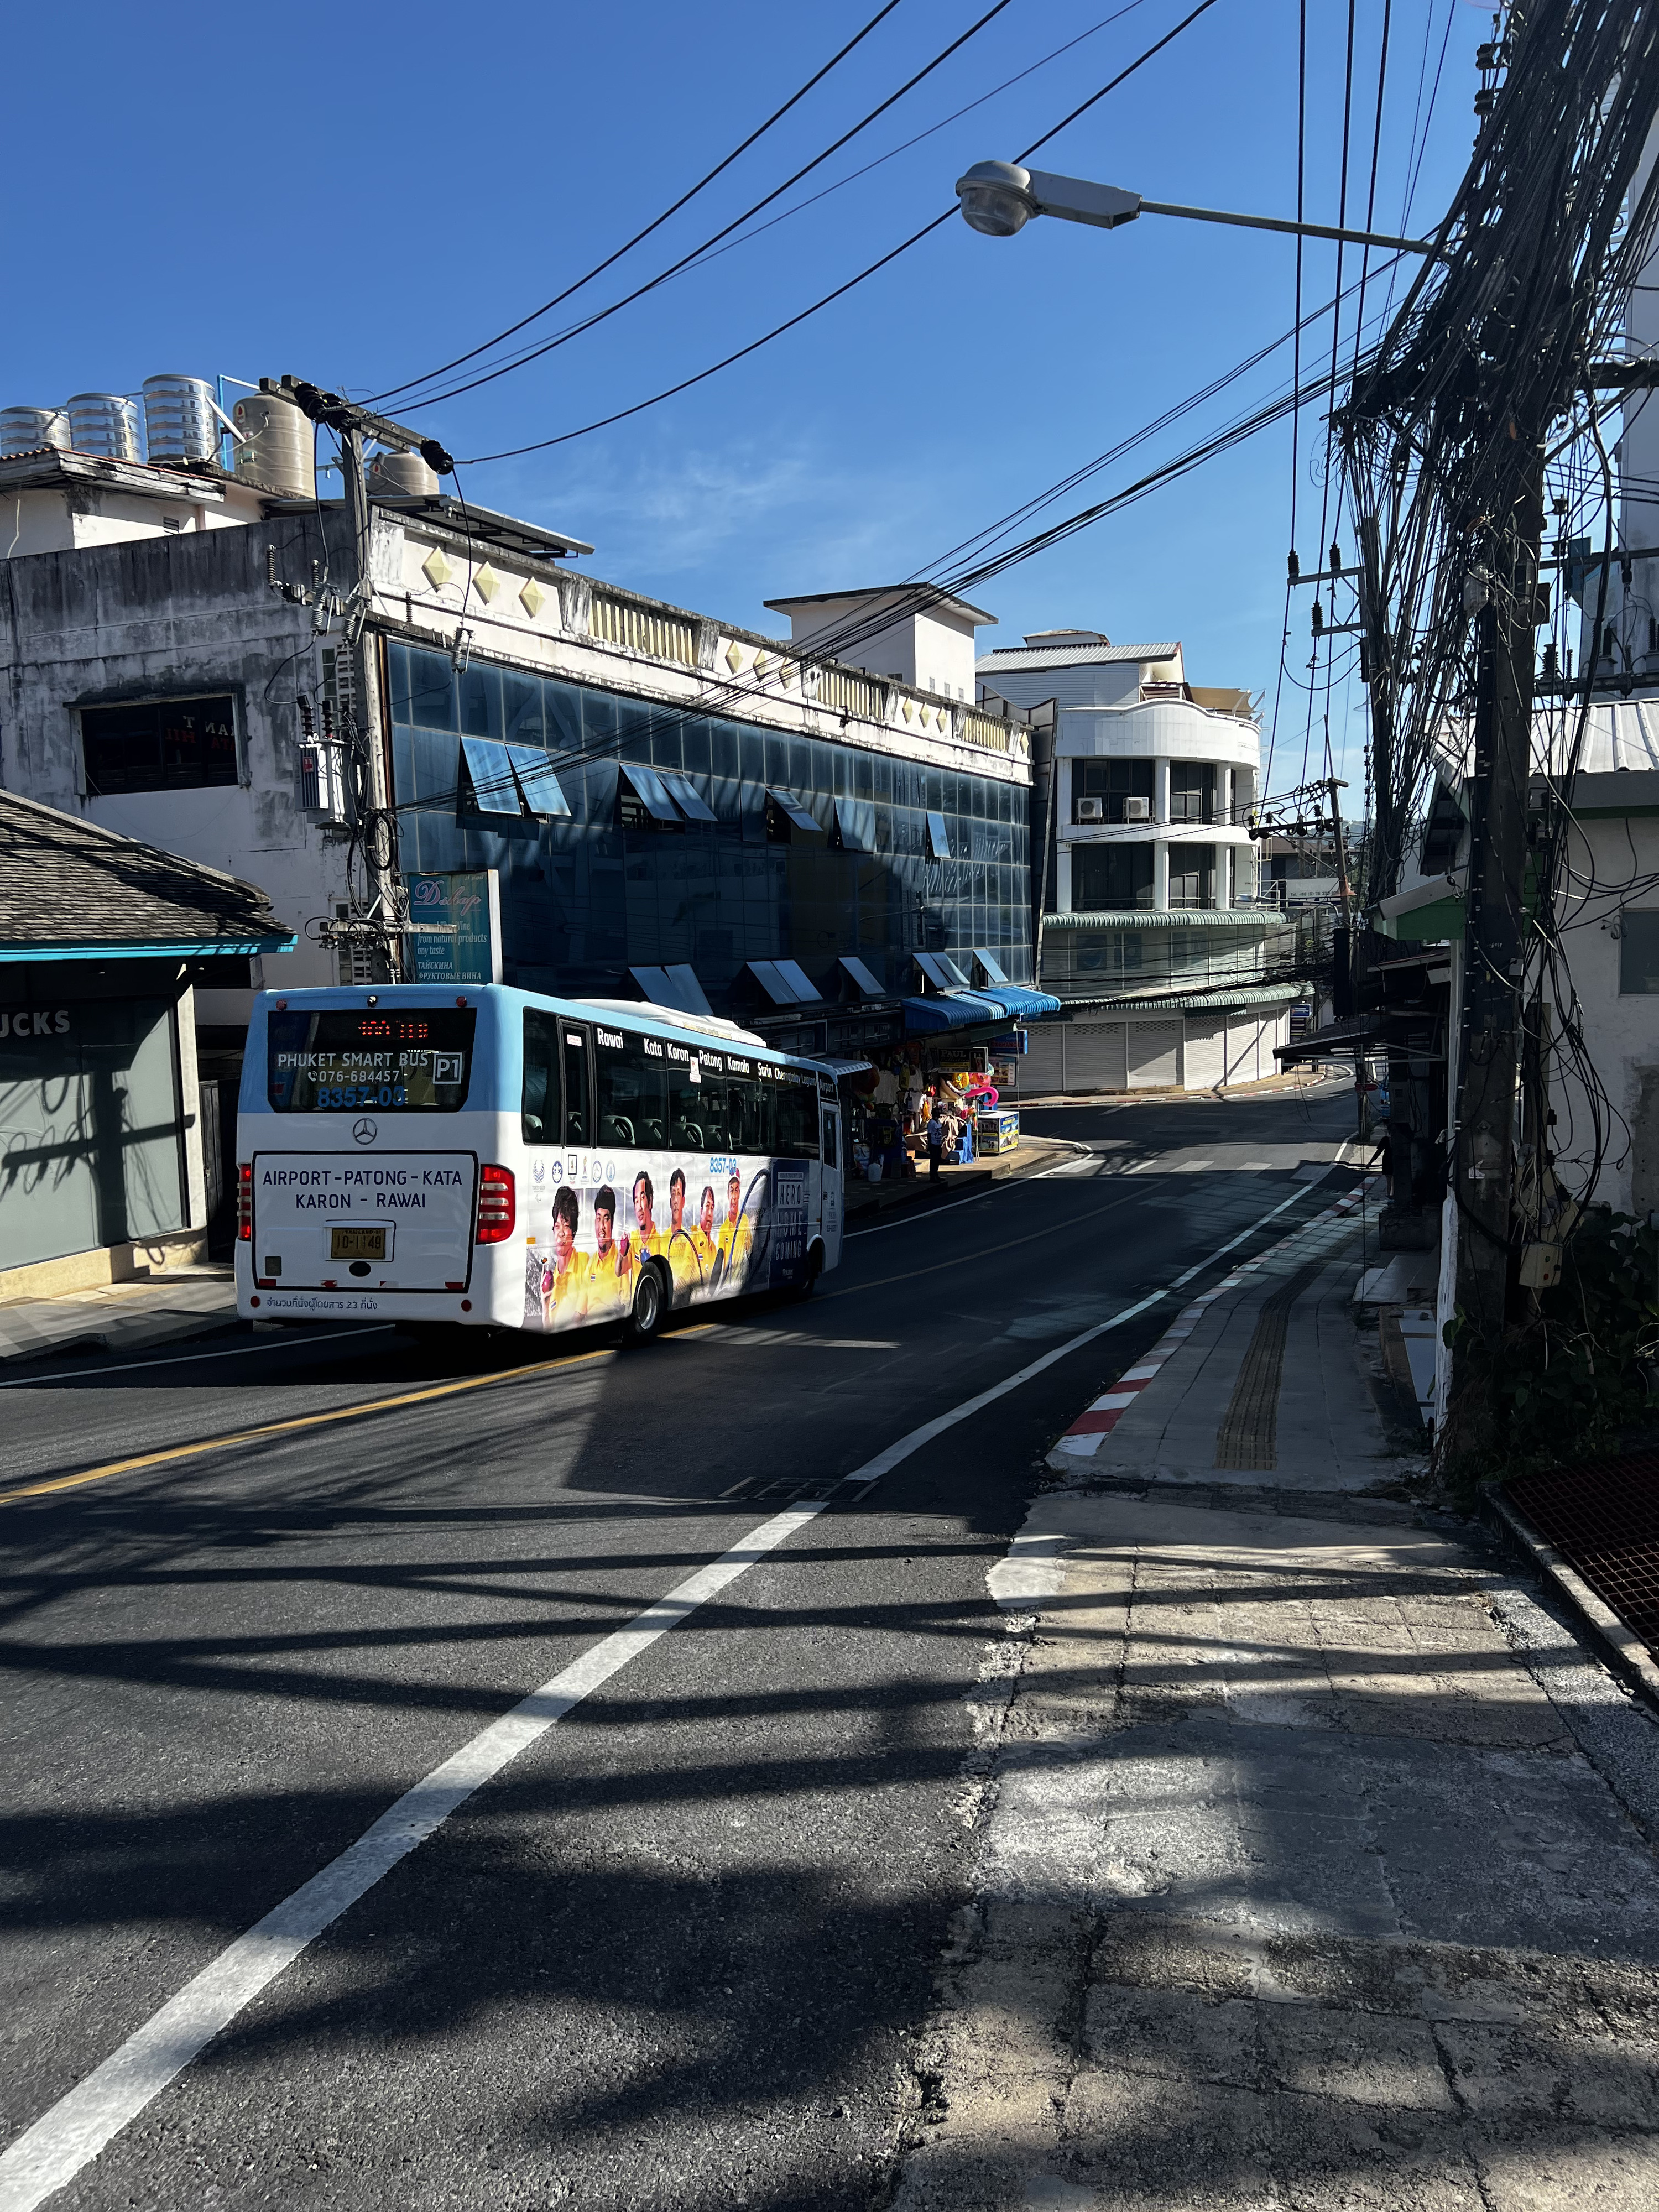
365	1132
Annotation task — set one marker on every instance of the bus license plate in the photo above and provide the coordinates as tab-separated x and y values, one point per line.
356	1244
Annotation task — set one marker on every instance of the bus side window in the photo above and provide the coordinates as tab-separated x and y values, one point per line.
749	1107
539	1105
686	1132
710	1096
575	1086
619	1100
798	1120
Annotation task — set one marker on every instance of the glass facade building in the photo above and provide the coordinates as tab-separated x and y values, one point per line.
899	858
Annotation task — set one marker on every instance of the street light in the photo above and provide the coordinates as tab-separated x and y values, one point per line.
999	198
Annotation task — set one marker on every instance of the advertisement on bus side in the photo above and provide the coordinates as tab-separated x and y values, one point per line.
722	1224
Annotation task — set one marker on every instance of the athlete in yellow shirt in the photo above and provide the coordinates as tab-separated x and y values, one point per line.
564	1277
736	1238
610	1269
703	1235
683	1257
649	1239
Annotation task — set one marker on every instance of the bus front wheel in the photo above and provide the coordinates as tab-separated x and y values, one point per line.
645	1316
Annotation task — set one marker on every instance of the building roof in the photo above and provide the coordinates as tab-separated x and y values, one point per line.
927	597
70	890
1070	656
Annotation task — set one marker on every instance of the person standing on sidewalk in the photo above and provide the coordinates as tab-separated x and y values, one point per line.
936	1136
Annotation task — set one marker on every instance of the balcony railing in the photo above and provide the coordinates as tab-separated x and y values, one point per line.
850	693
639	629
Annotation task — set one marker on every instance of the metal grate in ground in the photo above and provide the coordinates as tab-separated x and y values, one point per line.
1603	1518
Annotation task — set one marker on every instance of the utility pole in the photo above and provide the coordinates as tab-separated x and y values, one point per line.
353	424
1504	599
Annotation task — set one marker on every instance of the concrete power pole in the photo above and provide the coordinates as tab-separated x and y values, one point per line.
379	845
1505	600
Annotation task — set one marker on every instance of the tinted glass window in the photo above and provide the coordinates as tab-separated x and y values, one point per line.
688	1129
577	1121
1638	953
750	1109
540	1104
796	1119
181	744
633	1089
417	1061
829	1140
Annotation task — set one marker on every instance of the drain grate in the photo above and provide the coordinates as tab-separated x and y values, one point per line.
1248	1441
1604	1519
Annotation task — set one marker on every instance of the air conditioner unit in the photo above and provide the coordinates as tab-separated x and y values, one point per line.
1137	810
1091	809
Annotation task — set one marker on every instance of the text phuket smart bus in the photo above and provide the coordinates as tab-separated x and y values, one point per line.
488	1157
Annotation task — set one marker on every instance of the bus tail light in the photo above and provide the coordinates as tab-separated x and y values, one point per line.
497	1203
245	1202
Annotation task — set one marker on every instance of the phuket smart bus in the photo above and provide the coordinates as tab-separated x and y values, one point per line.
492	1157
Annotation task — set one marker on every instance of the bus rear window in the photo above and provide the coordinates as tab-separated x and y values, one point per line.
413	1059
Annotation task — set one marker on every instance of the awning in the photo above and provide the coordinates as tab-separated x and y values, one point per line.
794	809
839	1068
675	987
692	804
958	1010
856	820
785	982
647	786
862	978
941	971
494	787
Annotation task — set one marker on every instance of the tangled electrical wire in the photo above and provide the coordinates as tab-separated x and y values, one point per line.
1481	400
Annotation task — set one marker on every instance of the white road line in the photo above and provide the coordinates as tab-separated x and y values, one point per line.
76	2128
189	1359
1008	1182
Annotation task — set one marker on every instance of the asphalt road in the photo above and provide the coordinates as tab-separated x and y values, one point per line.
676	1952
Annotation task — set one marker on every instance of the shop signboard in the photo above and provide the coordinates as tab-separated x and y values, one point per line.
455	935
1011	1047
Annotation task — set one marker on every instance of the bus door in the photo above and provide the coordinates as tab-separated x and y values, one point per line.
831	1173
576	1053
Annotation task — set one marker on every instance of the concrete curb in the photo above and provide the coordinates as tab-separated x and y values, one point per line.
1629	1657
1084	1438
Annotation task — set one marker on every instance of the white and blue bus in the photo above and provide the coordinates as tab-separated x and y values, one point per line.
489	1156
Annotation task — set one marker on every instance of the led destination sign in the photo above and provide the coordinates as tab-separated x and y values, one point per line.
338	1061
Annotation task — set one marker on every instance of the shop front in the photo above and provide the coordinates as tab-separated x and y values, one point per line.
105	1158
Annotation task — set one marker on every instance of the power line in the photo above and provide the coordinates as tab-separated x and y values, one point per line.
542	444
603	314
657	221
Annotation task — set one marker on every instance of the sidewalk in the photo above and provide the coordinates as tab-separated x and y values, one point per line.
122	1317
1315	1857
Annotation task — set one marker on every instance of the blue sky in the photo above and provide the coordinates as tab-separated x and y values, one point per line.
357	193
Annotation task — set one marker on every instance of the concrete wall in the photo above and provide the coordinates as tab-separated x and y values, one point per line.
1099	1051
1621	1034
161	617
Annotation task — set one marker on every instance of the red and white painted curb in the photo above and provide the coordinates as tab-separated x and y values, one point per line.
1096	1421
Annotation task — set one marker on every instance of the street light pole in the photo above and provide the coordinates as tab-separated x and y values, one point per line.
999	198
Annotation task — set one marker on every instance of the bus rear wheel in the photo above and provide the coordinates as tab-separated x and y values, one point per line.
645	1315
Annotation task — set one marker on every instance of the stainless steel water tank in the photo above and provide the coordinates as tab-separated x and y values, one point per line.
402	476
31	429
179	423
105	423
275	447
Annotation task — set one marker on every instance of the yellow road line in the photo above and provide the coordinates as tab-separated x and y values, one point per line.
300	1421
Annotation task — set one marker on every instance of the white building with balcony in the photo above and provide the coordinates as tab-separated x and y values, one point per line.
1171	973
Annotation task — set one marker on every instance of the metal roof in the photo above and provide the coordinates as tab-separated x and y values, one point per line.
1016	657
1202	917
1261	995
934	598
